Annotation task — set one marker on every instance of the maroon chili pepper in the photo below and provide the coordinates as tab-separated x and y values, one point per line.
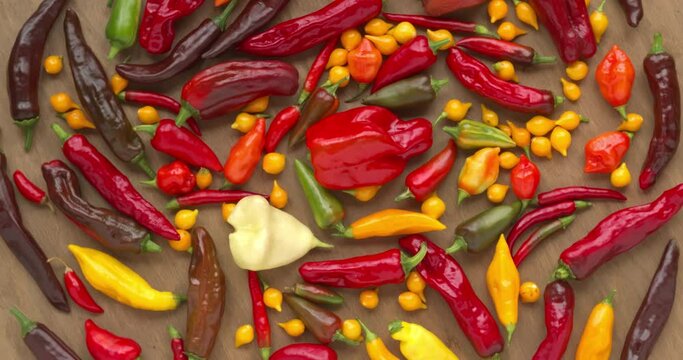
423	181
633	10
29	190
41	341
158	100
174	179
542	214
444	274
322	323
112	184
77	290
283	122
559	320
105	345
539	235
568	23
504	50
304	351
477	77
317	69
156	27
177	344
571	193
259	314
207	197
618	233
322	103
441	23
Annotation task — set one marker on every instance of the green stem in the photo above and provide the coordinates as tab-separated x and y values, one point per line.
113	51
338	336
484	31
601	7
582	204
173	205
303	97
458	244
558	100
563	272
437	85
121	95
410	262
407	194
265	351
222	19
462	195
150	129
60	132
527	151
192	356
152	183
566	221
442	116
343	231
540	59
186	111
510	329
369	335
27	325
332	88
657	44
395	326
583	119
142	163
622	111
149	246
179	298
173	332
437	44
609	299
27	126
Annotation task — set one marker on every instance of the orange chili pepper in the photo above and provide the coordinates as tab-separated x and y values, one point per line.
245	154
615	75
478	173
364	62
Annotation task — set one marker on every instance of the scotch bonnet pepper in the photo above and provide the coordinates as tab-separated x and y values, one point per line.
365	146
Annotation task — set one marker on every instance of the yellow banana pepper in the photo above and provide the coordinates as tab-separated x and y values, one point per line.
479	172
418	343
375	346
596	340
116	280
502	280
391	222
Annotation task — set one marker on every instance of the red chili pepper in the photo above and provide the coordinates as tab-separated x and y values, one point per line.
29	190
181	144
477	77
206	197
524	178
156	28
302	33
605	151
615	75
177	344
568	23
443	273
260	315
543	214
364	63
559	320
423	181
504	50
618	233
539	235
104	345
282	123
571	193
77	290
441	23
317	69
304	351
245	154
174	179
160	101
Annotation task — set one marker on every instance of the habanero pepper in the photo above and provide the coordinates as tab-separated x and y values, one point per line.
316	294
390	222
177	344
423	181
539	235
571	193
157	100
282	123
441	23
327	210
122	27
633	10
615	75
605	151
208	197
157	26
559	319
409	93
478	173
322	103
364	63
524	178
316	70
29	190
304	351
105	345
174	178
479	232
542	214
41	341
499	50
245	155
569	26
259	314
469	134
77	290
323	324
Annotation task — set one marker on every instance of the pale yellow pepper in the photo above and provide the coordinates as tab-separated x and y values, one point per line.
488	116
525	13
418	343
377	27
257	106
497	10
454	110
508	160
620	177
442	34
570	90
350	39
417	284
540	125
479	172
502	280
633	123
505	70
570	120
403	32
278	196
338	57
386	44
509	31
560	140
596	339
375	346
496	193
391	222
599	21
433	206
410	301
577	70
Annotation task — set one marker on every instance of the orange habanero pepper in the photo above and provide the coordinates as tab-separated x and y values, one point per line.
615	75
364	62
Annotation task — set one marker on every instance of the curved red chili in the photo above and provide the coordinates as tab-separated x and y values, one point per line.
542	214
304	351
156	27
411	58
104	345
559	320
497	49
77	290
431	22
282	123
207	197
29	190
424	180
316	70
524	179
539	235
160	101
571	193
177	344
259	314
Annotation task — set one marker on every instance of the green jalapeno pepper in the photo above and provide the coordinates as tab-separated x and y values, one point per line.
482	230
122	28
327	209
407	93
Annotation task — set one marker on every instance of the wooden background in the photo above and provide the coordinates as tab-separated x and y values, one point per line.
629	274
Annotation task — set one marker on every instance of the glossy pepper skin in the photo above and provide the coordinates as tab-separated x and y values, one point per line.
175	178
542	214
410	59
157	29
440	23
390	222
205	296
409	93
423	181
470	135
23	246
24	67
28	189
78	292
323	102
569	25
571	193
499	50
524	178
282	123
327	210
480	171
633	10
259	314
502	281
41	341
157	100
618	233
443	273
364	62
364	146
559	320
615	75
207	197
304	351
419	343
596	339
122	27
105	345
374	345
302	33
177	344
316	294
655	309
316	70
323	324
477	77
245	155
605	152
539	235
479	232
660	69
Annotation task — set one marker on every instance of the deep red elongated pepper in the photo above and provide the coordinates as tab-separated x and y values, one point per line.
662	78
571	193
504	50
364	146
77	290
304	351
29	190
302	33
559	320
568	23
245	155
156	27
104	345
431	22
282	123
615	75
605	151
443	274
618	233
174	179
423	181
539	235
524	178
366	271
158	101
542	214
477	77
177	344
181	144
207	197
317	69
259	314
112	184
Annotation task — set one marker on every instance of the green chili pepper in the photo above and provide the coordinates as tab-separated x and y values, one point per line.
407	93
316	294
482	230
122	28
327	209
323	324
322	103
475	135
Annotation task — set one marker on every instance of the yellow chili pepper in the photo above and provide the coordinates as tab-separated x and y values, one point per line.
377	27
244	122
293	328
577	71
386	44
525	13
226	210
118	83
570	120
521	136
339	75
257	106
114	279
488	116
497	10
509	31
454	110
496	193
391	222
375	346
479	172
350	39
403	32
351	329
365	193
620	177
204	178
278	196
272	297
148	115
77	120
442	34
62	103
184	243
506	129
244	335
539	125
410	301
599	21
505	70
53	64
570	90
273	163
418	343
416	283
433	206
560	140
632	123
337	58
596	339
529	292
508	160
541	147
185	219
369	299
502	280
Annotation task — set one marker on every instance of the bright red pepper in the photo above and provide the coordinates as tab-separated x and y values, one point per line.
206	197
364	63
569	25
441	23
364	146
174	179
615	75
559	320
605	151
156	28
317	69
157	100
104	345
504	50
29	190
542	214
423	181
282	123
304	351
260	315
571	193
245	155
524	178
77	290
177	344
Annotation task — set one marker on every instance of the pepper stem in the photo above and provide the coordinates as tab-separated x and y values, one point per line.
441	116
622	111
121	95
149	246
410	262
609	299
601	7
27	126
558	100
26	324
179	298
150	129
338	336
437	44
265	352
67	268
152	182
563	272
60	132
510	329
186	111
657	46
582	204
303	97
173	332
395	326
462	195
343	231
541	59
173	205
566	221
438	84
483	30
527	151
192	356
361	91
113	51
458	244
369	335
222	18
407	194
331	87
142	163
583	119
322	244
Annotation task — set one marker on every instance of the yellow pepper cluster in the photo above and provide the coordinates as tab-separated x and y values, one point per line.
68	110
560	138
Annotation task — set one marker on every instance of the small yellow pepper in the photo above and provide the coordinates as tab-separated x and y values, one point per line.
204	178
386	44
479	172
118	83
521	136
62	103
185	218
226	210
337	58
377	27
365	193
496	193
351	329
506	129
577	71
339	75
403	32
502	280
509	31
410	301
273	163
497	10
391	222
442	34
596	339
278	196
632	123
184	243
599	21
505	70
272	297
77	120
375	346
257	106
525	13
620	177
244	122
529	292
148	115
369	299
418	343
293	328
350	39
53	64
508	160
454	110
416	283
570	120
433	206
244	335
488	116
560	140
539	125
570	90
541	147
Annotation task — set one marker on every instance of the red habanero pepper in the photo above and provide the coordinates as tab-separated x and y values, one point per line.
615	75
260	315
605	151
477	77
104	345
156	27
282	123
504	50
543	214
568	23
423	181
302	33
29	190
323	102
443	273
559	320
431	22
524	178
304	351
174	179
177	344
618	233
77	290
245	155
571	193
206	197
364	62
158	101
317	69
539	235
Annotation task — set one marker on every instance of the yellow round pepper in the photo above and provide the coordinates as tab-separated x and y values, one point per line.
257	106
599	21
570	90
272	297
525	13
351	329
454	110
369	299
184	243
529	292
560	140
479	172
497	10
502	280
274	163
118	83
377	27
539	125
433	206
541	147
244	335
509	31
339	74
417	284
508	160
521	136
293	328
577	70
350	39
410	301
53	64
278	196
620	177
61	102
148	115
505	70
204	178
338	57
386	44
226	210
418	343
77	120
632	123
506	129
375	346
596	339
496	193
403	32
244	122
488	116
442	34
186	219
365	193
570	120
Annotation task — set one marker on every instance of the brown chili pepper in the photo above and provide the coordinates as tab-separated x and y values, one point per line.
43	343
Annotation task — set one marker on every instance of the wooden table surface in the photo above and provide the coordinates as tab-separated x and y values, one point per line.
629	274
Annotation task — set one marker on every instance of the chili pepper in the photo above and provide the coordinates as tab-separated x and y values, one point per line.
23	67
478	173
470	134
569	26
174	179
633	123
157	100
390	222
245	155
541	147
205	296
660	69
424	180
496	193
506	71
571	193
303	351
479	232
374	345
326	208
157	29
418	342
502	281
259	314
302	33
316	70
524	178
77	290
559	320
477	77
633	10
364	62
316	294
539	235
323	324
244	335
369	299
504	50
23	246
322	103
105	345
364	146
508	31
497	9
618	233
529	292
408	93
596	339
599	21
41	341
550	212
53	64
386	44
98	100
122	27
655	309
29	190
620	177
206	197
615	75
177	344
441	23
282	123
605	152
220	89
443	273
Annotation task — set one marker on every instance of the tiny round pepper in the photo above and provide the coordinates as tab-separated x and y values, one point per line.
417	284
433	206
560	140
244	122
570	90
439	35
508	160
244	335
184	243
53	64
293	328
529	292
525	13
632	123
620	177
350	39
403	32
278	196
599	21
118	83
274	163
521	136
541	147
369	299
174	178
352	330
339	75
337	58
488	116
62	103
410	301
497	10
539	125
272	297
496	193
77	120
226	210
204	178
509	31
570	120
454	110
577	70
386	44
148	115
505	70
366	193
257	106
186	218
506	129
377	27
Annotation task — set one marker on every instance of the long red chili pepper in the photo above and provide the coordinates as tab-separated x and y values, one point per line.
156	27
160	101
304	351
568	23
615	75
431	22
282	123
618	233
424	180
207	197
543	214
524	178
571	193
245	154
77	290
104	345
260	315
29	190
504	50
317	69
177	344
559	320
539	235
477	77
443	273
